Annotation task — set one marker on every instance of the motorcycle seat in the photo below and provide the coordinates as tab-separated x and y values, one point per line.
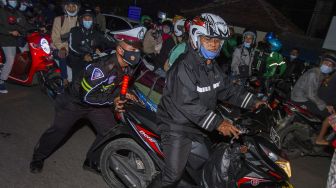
146	117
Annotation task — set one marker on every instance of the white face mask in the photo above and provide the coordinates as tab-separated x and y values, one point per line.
23	7
292	57
72	13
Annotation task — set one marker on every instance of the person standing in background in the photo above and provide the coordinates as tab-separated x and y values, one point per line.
100	19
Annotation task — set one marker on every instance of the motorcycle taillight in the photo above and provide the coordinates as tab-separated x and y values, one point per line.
124	87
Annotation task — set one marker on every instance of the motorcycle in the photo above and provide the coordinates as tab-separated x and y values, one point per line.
298	131
131	155
37	64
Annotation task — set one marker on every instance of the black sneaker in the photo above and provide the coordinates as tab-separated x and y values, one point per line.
36	166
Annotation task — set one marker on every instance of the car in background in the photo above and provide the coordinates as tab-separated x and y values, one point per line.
116	23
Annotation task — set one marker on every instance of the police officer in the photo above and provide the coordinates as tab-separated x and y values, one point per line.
91	96
194	84
83	42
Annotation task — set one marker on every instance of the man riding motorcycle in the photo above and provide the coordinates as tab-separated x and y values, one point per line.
194	84
91	96
305	93
84	40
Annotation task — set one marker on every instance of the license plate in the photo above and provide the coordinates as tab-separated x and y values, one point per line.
275	137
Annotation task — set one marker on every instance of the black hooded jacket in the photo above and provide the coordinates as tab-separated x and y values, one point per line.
192	91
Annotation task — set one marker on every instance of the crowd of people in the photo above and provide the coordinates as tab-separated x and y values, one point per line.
184	51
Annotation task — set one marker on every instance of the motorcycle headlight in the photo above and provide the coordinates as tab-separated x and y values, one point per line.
281	162
45	45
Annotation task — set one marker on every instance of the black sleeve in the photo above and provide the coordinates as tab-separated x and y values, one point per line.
103	42
236	94
186	99
75	46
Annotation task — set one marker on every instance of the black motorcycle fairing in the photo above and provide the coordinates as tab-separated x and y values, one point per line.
261	156
143	116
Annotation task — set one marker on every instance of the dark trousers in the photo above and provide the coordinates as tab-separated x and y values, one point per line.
62	64
176	149
67	113
77	64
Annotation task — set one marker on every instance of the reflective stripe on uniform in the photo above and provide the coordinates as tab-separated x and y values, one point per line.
85	85
203	89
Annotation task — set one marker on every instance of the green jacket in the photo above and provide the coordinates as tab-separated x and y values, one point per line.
275	65
268	65
22	25
229	46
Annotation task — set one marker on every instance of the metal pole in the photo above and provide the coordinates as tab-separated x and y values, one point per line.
134	2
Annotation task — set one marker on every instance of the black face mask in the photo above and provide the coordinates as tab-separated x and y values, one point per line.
131	57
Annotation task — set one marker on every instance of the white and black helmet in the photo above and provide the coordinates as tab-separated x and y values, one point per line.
209	25
179	27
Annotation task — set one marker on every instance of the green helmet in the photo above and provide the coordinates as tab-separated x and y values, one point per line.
143	18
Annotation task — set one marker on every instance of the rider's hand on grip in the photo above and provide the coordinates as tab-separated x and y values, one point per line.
131	97
330	109
227	129
261	103
15	33
62	53
87	57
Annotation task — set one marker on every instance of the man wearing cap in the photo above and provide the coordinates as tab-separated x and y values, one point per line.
91	96
305	93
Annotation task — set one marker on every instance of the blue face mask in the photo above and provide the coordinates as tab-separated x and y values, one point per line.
12	4
247	45
87	24
208	54
23	8
326	69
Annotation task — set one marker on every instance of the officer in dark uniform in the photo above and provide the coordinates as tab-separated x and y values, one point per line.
91	96
83	42
194	84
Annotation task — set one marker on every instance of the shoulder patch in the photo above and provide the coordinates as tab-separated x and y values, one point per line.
111	79
96	74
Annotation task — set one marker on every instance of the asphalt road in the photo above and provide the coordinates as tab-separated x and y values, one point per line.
25	113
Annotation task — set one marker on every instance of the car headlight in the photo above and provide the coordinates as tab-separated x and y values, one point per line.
281	162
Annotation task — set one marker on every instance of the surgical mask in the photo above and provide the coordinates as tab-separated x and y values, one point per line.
326	69
12	4
207	54
23	7
87	24
71	13
292	57
131	57
247	45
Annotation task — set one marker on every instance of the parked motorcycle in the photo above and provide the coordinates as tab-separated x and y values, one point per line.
37	64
